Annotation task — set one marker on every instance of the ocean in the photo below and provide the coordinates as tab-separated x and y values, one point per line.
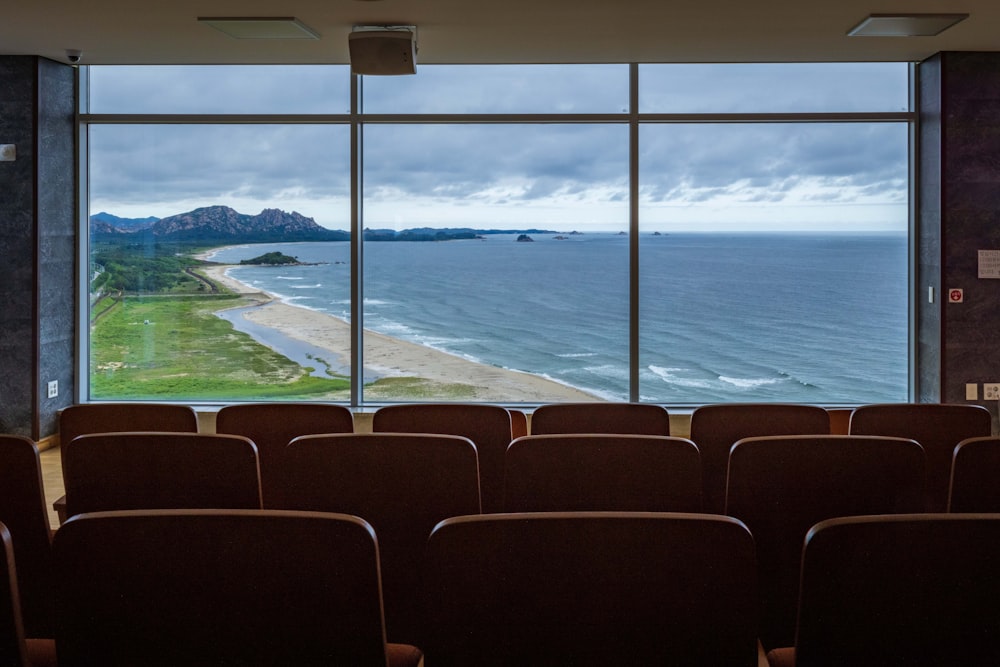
814	318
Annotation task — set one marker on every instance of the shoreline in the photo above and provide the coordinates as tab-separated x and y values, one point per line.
391	357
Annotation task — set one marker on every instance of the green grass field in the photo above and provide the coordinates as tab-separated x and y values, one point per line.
175	348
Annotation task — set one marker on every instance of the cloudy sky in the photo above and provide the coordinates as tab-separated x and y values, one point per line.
560	175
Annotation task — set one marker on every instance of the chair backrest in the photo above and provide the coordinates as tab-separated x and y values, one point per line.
917	590
600	417
716	428
518	423
974	473
487	426
591	588
781	486
403	484
86	418
840	420
602	472
208	587
23	511
937	427
13	648
271	426
152	470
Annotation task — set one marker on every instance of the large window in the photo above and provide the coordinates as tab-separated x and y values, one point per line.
680	234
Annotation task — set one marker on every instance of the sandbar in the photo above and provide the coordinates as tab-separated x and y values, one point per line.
392	357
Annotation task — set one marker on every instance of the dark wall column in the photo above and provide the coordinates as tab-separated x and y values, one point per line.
959	174
37	243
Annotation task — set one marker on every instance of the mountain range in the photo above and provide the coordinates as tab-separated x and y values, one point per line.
214	224
221	225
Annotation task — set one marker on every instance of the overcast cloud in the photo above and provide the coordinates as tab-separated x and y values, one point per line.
701	176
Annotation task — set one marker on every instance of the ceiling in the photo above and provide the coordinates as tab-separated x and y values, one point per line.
506	31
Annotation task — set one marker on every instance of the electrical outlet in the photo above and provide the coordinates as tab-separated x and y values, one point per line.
991	391
53	388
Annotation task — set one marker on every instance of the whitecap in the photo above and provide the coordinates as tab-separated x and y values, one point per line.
750	383
392	329
668	375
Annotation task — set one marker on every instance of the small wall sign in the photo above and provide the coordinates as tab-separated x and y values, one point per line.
989	263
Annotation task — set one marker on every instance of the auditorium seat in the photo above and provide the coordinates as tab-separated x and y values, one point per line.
155	470
600	417
716	428
487	426
15	649
164	588
271	426
22	510
975	473
403	484
85	418
781	486
591	589
919	590
938	427
602	472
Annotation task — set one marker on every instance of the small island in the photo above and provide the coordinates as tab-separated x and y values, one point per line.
272	259
524	238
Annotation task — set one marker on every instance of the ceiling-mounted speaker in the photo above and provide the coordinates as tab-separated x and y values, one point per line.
383	52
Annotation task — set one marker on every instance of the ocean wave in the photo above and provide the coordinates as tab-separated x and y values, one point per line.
669	375
751	383
602	394
317	285
608	370
576	355
289	278
393	329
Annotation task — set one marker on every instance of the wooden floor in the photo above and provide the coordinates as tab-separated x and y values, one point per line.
52	481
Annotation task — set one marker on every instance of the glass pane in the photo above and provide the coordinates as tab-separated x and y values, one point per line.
466	89
527	299
773	263
773	87
220	89
170	318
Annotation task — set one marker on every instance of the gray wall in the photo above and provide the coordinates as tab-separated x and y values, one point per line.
37	243
960	214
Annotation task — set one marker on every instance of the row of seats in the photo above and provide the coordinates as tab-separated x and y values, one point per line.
714	428
409	418
274	588
406	483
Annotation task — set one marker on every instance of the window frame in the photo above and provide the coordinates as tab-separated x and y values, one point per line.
356	119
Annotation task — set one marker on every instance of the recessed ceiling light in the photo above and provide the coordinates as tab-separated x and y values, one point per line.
905	25
253	27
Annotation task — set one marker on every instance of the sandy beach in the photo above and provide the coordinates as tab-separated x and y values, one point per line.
391	357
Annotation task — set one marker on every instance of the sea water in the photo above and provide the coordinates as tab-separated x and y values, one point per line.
819	318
